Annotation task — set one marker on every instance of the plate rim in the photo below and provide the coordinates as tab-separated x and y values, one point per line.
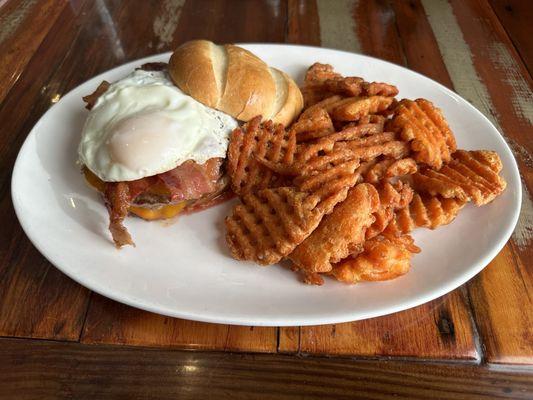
451	284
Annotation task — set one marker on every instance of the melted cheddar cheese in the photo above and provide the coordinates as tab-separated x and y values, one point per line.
163	212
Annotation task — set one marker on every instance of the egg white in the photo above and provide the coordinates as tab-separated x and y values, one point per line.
144	125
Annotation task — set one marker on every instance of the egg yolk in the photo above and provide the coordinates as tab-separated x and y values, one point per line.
139	141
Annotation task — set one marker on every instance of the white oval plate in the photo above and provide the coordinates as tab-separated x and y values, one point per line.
183	269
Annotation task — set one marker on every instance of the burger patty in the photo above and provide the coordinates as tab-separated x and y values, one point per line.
190	182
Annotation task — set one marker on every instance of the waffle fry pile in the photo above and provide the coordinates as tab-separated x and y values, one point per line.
339	191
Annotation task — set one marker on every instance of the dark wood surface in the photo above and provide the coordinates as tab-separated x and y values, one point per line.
516	16
49	370
459	343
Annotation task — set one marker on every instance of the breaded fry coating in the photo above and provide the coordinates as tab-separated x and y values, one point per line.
355	108
340	232
392	197
383	258
390	168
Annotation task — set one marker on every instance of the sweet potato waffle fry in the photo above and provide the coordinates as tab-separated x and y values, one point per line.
339	191
331	184
255	140
386	168
322	81
270	223
422	124
340	233
383	258
470	176
424	211
335	149
392	197
314	125
355	108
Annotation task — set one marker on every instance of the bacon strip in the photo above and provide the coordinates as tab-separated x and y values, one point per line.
117	198
202	184
91	99
191	181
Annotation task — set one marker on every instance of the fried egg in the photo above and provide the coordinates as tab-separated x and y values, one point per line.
144	125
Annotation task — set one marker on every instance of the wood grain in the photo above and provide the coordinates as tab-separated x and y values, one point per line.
418	41
48	370
516	17
376	31
232	21
37	300
289	339
20	43
337	26
502	302
439	330
493	77
303	23
419	38
114	323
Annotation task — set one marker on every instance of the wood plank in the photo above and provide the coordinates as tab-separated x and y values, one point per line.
48	370
109	322
303	23
289	339
442	329
337	27
507	331
37	300
376	30
232	21
23	26
12	13
516	17
485	68
418	42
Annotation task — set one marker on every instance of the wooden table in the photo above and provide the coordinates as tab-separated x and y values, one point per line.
60	340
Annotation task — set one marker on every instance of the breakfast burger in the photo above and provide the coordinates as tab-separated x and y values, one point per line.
154	143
